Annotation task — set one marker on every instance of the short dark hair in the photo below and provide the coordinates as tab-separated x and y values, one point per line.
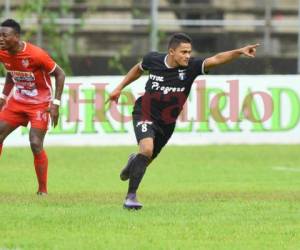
178	38
11	23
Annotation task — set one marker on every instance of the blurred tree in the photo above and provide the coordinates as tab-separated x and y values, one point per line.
55	38
46	32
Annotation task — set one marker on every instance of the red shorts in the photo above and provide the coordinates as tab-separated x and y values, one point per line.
19	114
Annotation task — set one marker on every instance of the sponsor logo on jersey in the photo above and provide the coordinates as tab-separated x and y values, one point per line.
25	62
166	89
156	78
22	76
181	74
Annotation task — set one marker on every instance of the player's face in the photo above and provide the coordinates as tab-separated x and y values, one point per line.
8	38
182	54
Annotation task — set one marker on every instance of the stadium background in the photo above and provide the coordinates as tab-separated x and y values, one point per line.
105	38
195	196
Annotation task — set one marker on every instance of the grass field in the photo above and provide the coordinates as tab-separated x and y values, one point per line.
205	197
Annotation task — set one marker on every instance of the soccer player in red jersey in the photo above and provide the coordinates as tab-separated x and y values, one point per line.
28	71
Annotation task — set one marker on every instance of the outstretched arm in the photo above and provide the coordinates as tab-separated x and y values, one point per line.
228	56
134	73
8	86
59	75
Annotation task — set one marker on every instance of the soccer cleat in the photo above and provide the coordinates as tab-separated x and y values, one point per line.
39	193
124	175
131	202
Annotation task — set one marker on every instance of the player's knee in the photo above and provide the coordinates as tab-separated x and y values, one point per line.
147	150
36	145
2	137
3	134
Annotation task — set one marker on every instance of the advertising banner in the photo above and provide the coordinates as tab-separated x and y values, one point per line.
220	110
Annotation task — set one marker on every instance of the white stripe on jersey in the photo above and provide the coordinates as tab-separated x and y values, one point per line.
52	70
141	67
49	86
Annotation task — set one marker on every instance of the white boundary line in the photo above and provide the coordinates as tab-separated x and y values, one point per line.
288	169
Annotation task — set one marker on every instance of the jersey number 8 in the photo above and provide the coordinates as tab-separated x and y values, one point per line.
144	127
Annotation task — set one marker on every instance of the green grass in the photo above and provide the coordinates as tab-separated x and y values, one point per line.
205	197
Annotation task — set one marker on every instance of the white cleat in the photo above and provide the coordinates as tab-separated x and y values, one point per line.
131	202
41	193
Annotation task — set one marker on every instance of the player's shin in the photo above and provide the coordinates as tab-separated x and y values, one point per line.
136	174
41	169
1	145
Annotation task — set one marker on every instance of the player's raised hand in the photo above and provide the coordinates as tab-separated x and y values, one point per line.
54	114
250	50
114	96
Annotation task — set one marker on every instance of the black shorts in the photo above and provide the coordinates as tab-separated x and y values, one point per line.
150	129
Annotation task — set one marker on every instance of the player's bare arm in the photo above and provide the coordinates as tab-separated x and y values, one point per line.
59	75
228	56
8	86
134	73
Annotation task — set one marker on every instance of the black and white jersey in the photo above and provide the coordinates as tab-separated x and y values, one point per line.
166	89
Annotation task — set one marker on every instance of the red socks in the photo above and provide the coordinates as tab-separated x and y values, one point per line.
41	169
1	148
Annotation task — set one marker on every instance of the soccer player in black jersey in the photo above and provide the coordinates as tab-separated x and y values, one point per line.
171	76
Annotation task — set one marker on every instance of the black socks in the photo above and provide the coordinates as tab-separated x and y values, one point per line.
137	171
